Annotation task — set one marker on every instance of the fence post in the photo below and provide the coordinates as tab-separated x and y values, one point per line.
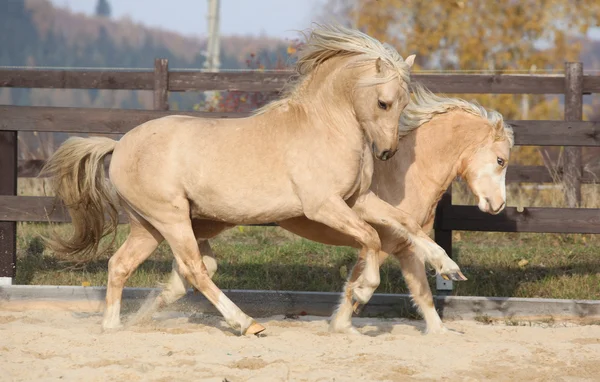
443	238
8	186
573	112
161	84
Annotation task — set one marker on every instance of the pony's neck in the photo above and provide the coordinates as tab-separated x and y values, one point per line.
329	89
429	159
322	100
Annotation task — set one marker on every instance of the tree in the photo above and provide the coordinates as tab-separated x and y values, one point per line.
103	8
482	35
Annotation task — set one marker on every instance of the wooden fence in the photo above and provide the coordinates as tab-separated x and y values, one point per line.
572	133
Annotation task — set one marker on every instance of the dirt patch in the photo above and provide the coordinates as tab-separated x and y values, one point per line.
180	347
249	363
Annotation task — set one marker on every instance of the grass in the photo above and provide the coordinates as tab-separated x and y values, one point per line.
497	264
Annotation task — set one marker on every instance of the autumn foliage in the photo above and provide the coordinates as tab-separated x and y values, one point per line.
534	36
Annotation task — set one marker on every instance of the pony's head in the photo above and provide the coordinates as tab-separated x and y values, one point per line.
485	169
482	140
379	98
373	76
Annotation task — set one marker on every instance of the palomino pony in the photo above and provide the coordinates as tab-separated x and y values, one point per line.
450	137
309	154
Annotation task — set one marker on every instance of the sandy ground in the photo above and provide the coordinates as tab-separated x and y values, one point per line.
59	345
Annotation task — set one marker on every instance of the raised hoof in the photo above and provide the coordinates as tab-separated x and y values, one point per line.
455	276
255	328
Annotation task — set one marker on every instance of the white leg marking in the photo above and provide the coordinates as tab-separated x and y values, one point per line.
368	281
112	319
436	256
433	321
232	314
341	321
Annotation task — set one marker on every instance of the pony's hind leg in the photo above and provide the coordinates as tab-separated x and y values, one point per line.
341	320
139	245
413	270
177	286
180	237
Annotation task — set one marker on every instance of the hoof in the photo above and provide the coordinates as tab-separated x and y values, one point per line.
345	330
454	276
112	328
255	328
438	330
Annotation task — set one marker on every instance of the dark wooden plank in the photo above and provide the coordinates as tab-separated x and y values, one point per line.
119	121
492	83
92	120
573	112
76	79
531	219
556	133
528	174
515	174
161	83
36	209
541	174
274	81
8	186
231	81
443	237
591	84
45	209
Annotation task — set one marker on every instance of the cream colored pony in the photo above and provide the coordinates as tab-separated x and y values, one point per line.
454	137
307	155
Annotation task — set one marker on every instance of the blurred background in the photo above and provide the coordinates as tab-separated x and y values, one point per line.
531	36
448	36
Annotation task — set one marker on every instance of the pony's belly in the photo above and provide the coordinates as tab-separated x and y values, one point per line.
251	210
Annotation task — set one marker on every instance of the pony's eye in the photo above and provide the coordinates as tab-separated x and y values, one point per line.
382	105
501	162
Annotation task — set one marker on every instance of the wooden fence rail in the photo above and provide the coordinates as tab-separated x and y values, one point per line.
573	133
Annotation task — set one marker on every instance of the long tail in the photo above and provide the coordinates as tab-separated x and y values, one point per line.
76	173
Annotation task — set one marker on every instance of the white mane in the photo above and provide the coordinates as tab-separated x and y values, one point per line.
425	105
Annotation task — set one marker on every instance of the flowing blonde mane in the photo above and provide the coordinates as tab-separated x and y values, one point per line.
325	42
425	105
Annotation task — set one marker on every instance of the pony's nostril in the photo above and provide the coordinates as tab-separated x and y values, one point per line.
387	154
489	203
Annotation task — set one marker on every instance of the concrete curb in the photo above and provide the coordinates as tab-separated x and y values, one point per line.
260	303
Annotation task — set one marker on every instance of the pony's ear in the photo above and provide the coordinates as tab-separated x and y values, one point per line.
410	60
379	65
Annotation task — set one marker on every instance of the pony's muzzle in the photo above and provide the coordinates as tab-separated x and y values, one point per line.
489	208
384	155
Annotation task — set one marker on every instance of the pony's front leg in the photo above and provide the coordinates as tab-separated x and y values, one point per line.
336	214
406	229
